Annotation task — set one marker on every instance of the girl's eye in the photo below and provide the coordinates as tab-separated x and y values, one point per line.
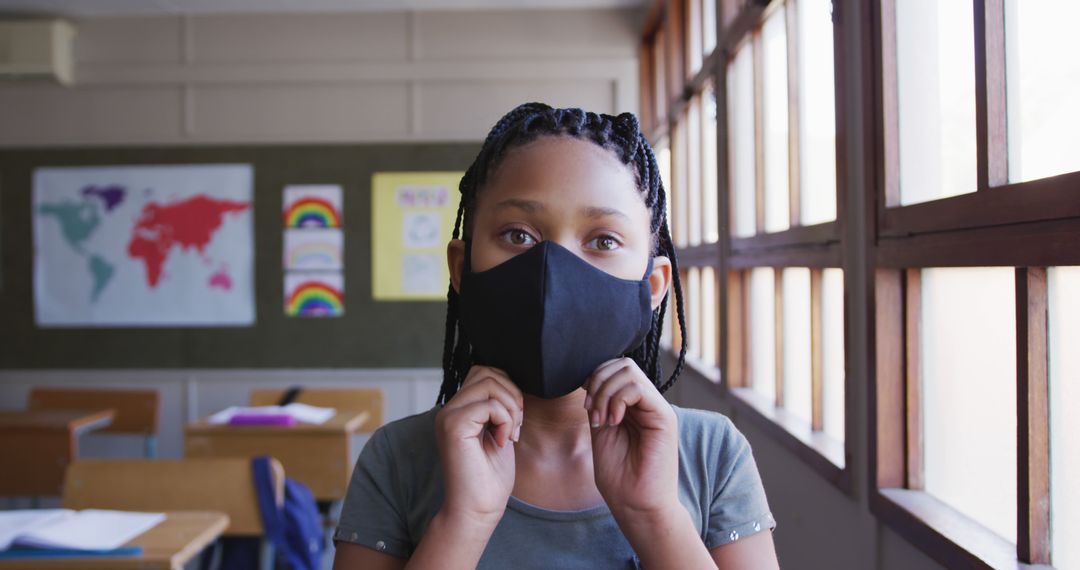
605	243
519	237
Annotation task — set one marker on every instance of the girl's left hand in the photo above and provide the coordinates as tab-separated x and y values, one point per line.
634	440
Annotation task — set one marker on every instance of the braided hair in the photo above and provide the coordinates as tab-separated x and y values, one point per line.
620	134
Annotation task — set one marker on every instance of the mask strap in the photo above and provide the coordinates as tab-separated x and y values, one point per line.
648	270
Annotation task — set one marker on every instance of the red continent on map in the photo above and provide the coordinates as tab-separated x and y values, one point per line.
188	223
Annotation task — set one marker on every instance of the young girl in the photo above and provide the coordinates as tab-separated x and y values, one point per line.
551	445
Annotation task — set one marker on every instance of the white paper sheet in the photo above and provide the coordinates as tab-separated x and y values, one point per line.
14	523
90	529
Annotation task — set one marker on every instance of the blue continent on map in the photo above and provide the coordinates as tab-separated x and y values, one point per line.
77	220
102	271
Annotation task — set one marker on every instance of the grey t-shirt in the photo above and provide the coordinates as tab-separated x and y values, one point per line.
397	488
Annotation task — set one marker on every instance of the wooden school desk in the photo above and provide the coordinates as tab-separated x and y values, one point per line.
316	455
38	445
170	545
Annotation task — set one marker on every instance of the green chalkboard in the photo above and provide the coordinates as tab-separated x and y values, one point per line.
371	334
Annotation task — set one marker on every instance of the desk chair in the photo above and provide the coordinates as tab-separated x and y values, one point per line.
368	400
137	411
212	484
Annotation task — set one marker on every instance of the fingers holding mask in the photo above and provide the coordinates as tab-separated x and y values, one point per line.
479	415
616	387
485	384
599	387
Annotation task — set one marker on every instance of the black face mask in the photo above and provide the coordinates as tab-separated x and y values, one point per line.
549	318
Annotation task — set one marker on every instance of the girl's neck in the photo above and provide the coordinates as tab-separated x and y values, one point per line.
556	427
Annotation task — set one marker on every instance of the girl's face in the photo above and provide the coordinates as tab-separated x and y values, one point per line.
572	192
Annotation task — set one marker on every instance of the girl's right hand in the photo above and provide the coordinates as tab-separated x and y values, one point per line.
475	431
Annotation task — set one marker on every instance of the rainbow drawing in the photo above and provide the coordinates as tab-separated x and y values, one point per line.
312	212
311	296
312	206
313	249
313	256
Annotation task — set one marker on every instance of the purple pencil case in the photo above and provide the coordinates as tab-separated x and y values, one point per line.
262	420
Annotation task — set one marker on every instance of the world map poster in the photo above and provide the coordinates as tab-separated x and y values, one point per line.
144	246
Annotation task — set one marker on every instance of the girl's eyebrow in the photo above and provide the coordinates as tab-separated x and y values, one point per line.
601	212
529	206
533	206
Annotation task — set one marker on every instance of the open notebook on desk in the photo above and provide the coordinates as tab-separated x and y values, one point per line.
60	532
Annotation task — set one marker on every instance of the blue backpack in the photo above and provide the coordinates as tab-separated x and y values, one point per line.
295	530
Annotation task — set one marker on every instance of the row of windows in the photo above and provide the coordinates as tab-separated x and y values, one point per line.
974	200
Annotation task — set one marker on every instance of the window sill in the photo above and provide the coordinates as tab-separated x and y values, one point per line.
824	454
943	533
703	369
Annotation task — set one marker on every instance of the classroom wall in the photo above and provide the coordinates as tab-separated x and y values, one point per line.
370	334
354	77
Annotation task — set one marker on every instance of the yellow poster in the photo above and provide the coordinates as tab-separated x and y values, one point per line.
412	218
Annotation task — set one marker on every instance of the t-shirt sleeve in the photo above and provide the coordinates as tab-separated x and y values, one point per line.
739	507
373	514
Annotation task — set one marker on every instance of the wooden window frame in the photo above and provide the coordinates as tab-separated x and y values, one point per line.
1028	226
816	246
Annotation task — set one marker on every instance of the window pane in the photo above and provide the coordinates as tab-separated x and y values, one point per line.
693	36
711	227
762	332
663	163
709	316
679	182
1064	338
832	342
708	21
659	83
693	171
775	100
796	331
817	113
969	392
935	68
740	84
1043	87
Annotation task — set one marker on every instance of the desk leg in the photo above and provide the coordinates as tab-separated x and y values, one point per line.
266	557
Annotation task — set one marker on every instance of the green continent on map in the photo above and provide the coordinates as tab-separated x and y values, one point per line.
102	272
77	220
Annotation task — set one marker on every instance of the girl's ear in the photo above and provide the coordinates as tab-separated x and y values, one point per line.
455	260
660	279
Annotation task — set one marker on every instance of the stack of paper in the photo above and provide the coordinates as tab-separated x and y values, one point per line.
299	412
89	531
